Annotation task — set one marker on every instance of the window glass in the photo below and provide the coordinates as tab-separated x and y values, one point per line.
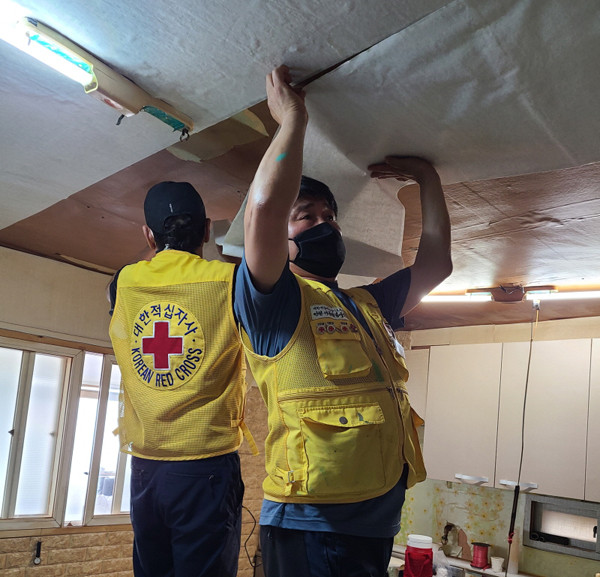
84	437
569	525
41	433
126	499
46	441
110	449
10	361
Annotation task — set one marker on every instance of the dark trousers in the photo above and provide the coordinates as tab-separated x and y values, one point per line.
291	553
186	517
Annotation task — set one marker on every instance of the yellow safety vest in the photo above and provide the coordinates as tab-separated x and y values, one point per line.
181	358
340	424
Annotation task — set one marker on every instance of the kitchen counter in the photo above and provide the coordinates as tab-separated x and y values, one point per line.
398	555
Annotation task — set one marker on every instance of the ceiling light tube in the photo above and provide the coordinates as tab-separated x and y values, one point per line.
466	298
97	78
559	296
49	47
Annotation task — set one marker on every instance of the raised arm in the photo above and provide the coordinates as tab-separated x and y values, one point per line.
433	262
276	184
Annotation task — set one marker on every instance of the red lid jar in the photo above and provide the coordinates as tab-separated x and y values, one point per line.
418	557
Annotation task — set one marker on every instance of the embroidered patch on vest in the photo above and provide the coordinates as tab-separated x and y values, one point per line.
167	345
327	312
330	327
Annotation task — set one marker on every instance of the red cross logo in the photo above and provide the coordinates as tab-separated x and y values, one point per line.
161	345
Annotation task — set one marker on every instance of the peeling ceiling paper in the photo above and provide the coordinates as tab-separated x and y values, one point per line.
370	215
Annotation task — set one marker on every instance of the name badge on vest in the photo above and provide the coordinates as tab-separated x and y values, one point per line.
394	340
326	312
166	345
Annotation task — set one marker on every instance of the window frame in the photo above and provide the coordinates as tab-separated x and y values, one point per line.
586	509
64	443
116	517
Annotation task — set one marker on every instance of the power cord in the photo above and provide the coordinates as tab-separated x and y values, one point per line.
252	563
513	515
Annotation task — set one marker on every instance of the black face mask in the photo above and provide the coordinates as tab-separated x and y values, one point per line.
321	250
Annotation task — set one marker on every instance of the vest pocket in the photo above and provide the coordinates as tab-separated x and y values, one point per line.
339	349
343	450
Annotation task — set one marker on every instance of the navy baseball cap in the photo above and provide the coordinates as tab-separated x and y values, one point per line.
167	199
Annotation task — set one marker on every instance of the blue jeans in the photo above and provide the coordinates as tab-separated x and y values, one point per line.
186	517
292	553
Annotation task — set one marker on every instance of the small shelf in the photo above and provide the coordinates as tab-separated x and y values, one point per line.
398	553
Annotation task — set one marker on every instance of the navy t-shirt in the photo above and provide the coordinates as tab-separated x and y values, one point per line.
270	321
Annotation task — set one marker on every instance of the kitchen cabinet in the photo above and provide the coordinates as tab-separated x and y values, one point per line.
462	411
475	408
556	410
592	477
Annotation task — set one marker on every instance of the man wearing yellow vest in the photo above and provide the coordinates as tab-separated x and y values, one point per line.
342	446
182	394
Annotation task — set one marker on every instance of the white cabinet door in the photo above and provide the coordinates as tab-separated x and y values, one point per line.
592	478
555	430
462	411
417	362
510	414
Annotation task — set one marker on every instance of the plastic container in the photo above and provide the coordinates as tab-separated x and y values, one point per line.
418	557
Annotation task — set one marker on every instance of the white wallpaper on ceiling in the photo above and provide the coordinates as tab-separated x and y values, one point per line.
207	59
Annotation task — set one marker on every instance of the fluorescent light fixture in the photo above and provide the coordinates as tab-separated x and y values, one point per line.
534	293
560	296
97	79
61	59
47	46
466	298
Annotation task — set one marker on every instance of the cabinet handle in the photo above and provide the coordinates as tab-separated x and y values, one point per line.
522	486
462	477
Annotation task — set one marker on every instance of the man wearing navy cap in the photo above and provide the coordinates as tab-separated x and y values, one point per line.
182	394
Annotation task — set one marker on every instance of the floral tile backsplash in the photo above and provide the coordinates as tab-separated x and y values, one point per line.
483	513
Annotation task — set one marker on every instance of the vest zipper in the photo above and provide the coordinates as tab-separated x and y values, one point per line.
396	397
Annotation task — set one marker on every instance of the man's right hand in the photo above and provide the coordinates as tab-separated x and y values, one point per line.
283	99
276	184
